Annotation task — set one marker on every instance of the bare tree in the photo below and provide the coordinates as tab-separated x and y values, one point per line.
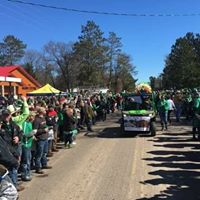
60	56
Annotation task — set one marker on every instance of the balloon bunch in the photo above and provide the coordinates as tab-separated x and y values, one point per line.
143	88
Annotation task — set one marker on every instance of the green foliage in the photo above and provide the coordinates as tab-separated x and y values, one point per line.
90	53
101	61
182	66
11	50
113	49
123	73
92	61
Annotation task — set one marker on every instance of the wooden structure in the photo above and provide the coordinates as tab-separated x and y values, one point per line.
15	80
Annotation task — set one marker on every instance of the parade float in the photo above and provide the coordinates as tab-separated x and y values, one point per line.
138	114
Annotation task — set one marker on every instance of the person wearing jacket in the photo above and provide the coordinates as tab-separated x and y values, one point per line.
41	141
60	123
20	119
89	114
12	135
51	119
69	127
163	108
172	108
7	154
27	141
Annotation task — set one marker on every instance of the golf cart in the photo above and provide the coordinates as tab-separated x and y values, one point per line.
138	115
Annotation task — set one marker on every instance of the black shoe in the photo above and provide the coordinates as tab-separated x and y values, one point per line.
39	171
55	150
47	167
26	178
50	154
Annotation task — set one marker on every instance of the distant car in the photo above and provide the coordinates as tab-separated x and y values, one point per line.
138	115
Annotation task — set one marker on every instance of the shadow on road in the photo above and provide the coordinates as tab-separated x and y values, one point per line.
115	132
178	169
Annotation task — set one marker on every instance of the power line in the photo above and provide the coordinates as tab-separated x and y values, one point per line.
104	13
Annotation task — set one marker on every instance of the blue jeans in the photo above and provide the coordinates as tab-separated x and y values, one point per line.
26	161
13	172
50	144
163	118
178	112
13	175
41	154
89	124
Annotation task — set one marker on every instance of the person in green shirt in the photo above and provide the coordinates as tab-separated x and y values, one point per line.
163	108
27	141
19	118
60	112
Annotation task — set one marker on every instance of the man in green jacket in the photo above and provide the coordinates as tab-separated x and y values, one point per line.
19	119
163	108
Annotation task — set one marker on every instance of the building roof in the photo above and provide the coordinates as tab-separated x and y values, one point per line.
7	71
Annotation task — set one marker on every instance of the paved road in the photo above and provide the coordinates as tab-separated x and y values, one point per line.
104	166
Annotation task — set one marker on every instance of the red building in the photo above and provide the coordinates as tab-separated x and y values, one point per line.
15	80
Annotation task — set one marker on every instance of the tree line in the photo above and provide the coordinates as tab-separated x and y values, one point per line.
92	61
182	65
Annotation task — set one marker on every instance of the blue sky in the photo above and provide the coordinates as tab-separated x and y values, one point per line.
147	39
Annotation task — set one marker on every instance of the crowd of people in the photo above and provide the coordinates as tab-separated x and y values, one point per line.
31	128
183	104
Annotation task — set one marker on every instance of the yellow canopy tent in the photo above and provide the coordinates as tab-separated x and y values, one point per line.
44	91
